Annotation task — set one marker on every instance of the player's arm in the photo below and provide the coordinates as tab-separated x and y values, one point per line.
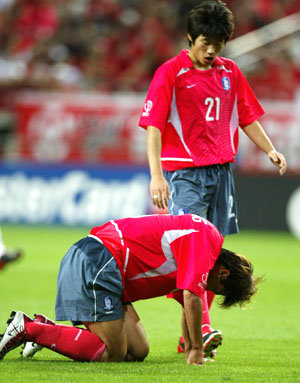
159	188
192	327
257	135
186	336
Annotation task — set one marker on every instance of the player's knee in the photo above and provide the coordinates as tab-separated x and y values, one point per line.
139	353
116	355
116	351
142	352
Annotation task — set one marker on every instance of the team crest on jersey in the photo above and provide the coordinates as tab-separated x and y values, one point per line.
226	83
108	303
147	107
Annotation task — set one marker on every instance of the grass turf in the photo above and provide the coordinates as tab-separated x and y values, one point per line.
261	343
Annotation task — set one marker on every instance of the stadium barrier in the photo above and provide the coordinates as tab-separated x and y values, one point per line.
269	202
92	195
69	195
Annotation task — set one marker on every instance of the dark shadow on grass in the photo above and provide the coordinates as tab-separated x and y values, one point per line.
147	362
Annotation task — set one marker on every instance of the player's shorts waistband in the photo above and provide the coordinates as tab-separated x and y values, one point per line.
96	238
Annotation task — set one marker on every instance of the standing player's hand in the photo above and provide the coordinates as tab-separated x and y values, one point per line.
160	192
278	160
195	356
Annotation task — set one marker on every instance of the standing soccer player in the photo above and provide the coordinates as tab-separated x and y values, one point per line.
195	104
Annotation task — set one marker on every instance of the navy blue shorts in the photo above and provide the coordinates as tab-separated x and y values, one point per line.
89	284
207	191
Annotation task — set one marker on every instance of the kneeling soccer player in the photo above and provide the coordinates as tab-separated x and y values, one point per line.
124	261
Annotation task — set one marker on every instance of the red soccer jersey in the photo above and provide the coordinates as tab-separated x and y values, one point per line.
159	253
199	111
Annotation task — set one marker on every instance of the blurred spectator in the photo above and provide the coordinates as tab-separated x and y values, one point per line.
276	76
23	26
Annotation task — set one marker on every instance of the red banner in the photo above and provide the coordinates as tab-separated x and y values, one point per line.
80	128
282	124
86	128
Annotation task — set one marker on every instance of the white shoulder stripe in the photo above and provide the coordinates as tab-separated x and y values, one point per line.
118	231
182	71
222	67
97	239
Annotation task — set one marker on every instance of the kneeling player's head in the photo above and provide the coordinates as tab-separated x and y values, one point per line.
238	281
211	19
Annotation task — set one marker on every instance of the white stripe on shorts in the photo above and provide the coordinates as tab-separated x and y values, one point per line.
94	281
172	192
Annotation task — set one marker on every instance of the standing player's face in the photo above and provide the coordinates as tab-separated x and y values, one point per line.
204	51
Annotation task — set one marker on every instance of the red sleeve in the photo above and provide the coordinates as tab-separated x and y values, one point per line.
249	109
158	101
196	255
177	295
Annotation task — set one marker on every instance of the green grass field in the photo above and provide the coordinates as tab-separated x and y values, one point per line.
261	343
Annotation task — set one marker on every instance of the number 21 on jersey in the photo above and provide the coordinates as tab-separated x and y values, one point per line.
213	108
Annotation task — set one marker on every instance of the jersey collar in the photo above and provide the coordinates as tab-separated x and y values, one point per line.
187	62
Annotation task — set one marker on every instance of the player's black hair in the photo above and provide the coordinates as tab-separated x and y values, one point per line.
212	19
240	284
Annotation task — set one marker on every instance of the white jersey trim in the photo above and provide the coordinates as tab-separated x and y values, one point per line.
176	159
96	238
182	71
222	67
174	119
126	260
118	231
234	123
170	265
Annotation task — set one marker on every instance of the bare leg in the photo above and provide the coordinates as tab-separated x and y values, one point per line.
125	339
137	342
113	334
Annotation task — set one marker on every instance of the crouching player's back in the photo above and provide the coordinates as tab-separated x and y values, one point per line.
148	250
127	260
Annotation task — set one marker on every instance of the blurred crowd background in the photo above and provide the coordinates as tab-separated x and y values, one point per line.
116	45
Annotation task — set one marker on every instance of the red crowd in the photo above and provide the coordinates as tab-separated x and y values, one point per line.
116	45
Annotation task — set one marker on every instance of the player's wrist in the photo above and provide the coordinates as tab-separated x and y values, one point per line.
157	177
